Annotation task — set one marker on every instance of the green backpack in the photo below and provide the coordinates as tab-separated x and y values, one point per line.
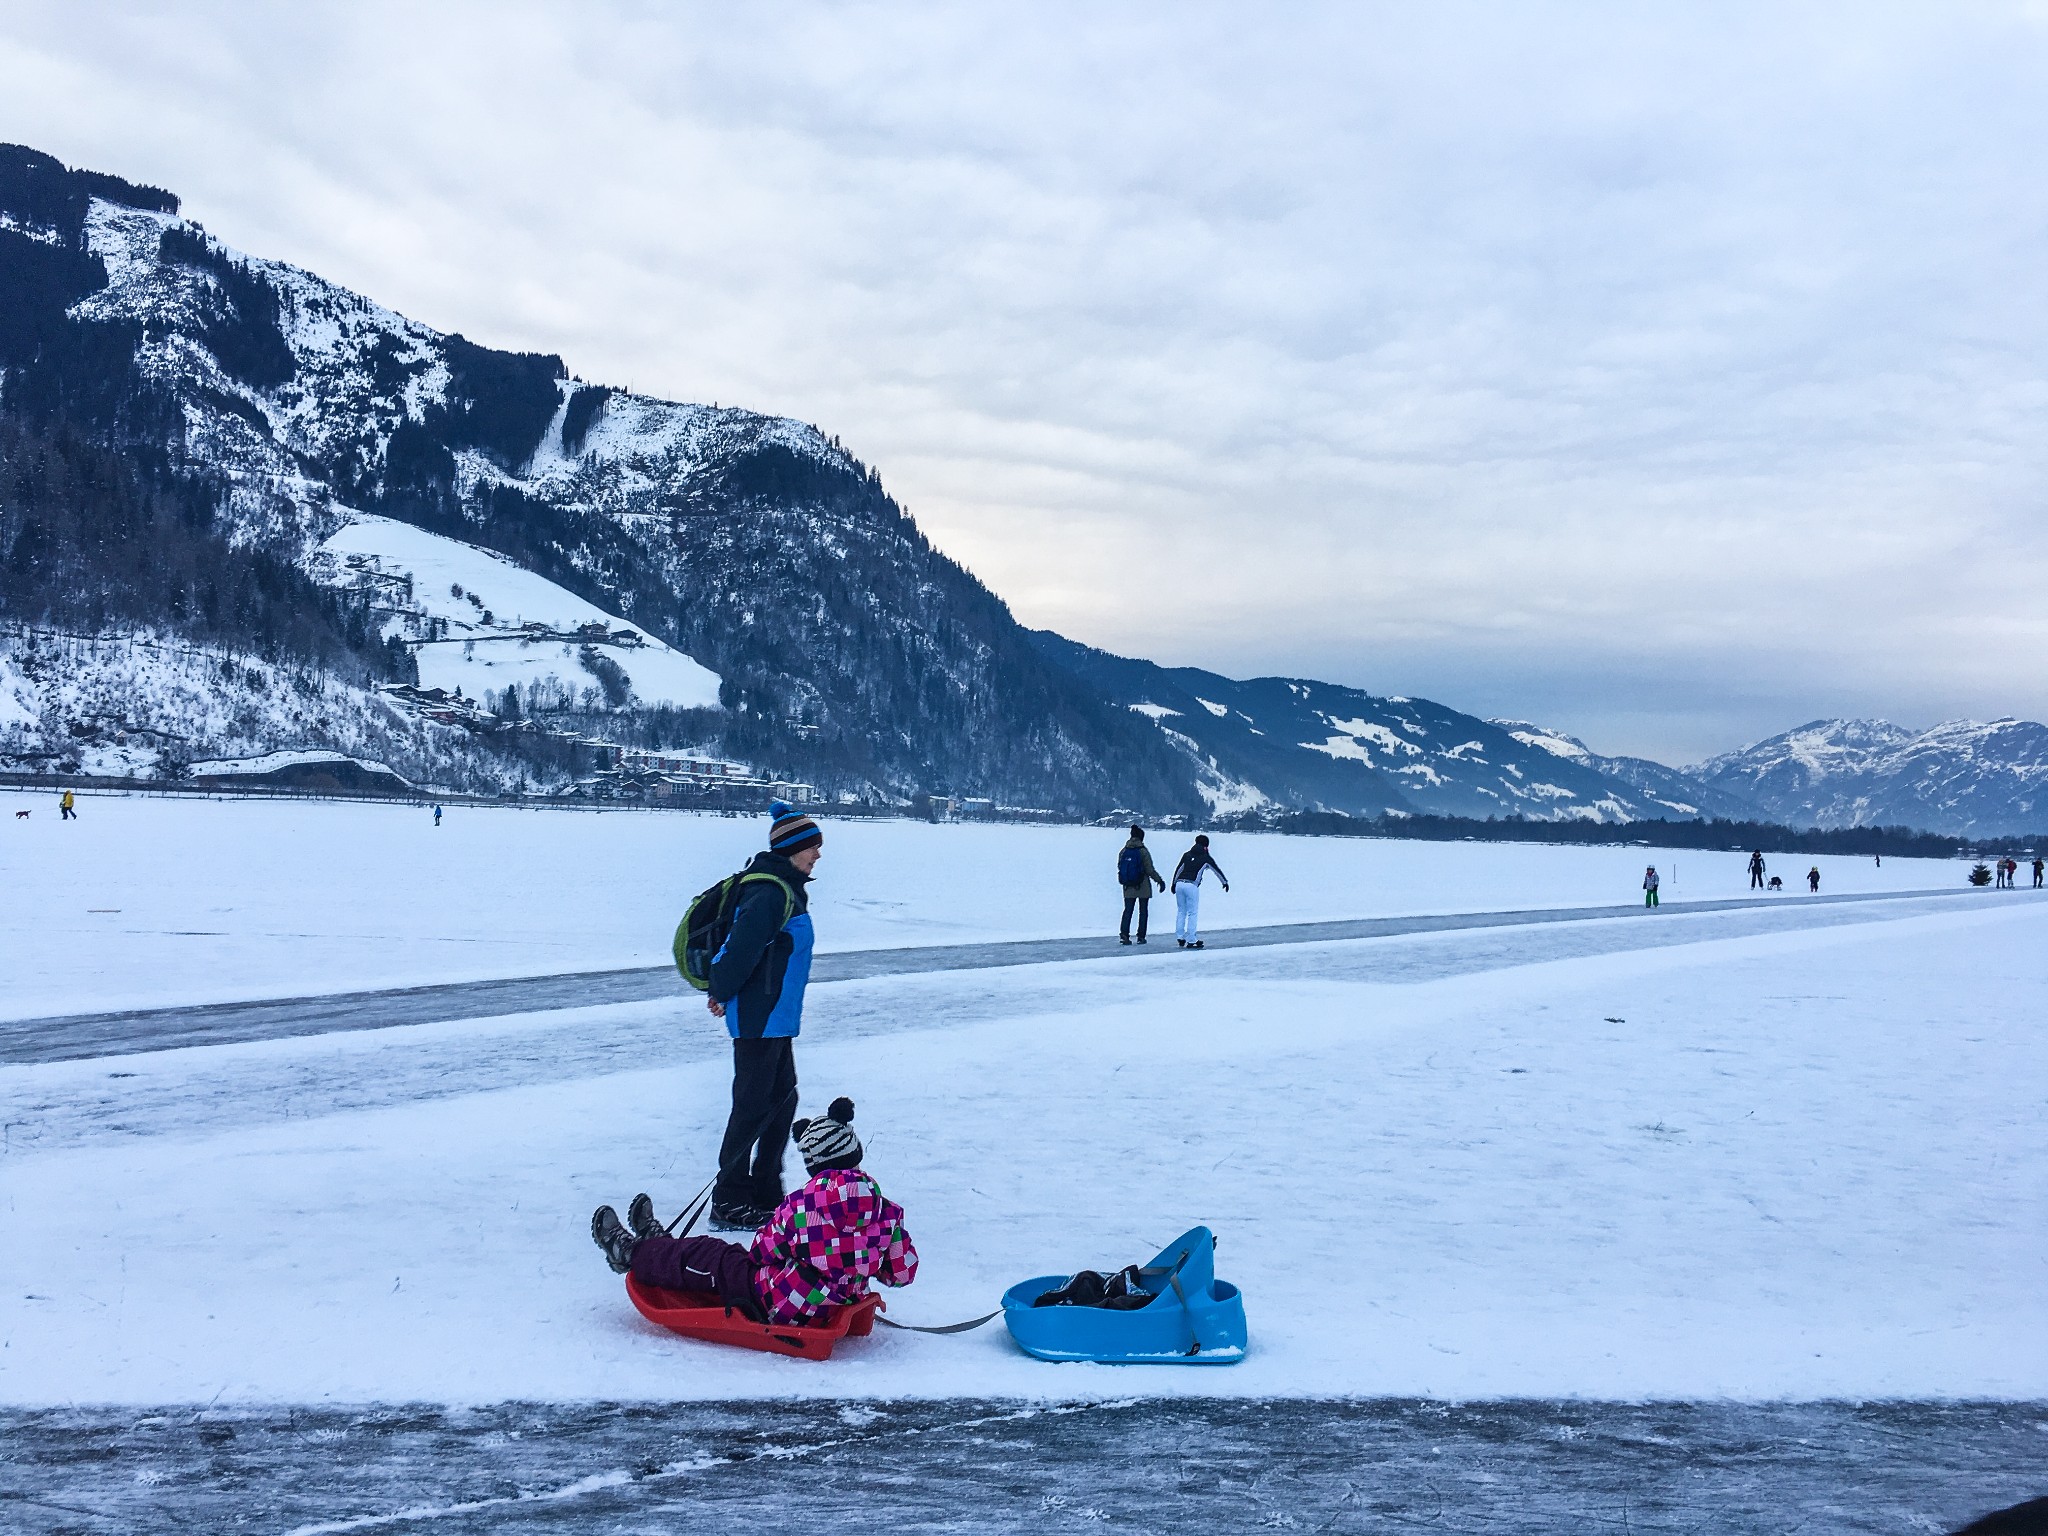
708	921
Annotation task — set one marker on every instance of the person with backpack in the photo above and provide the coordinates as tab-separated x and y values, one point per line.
1650	883
1756	870
1187	891
751	953
1135	873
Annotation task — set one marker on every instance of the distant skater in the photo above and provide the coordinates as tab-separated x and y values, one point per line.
67	808
1136	874
1813	880
1187	891
437	815
1756	870
2037	874
1650	886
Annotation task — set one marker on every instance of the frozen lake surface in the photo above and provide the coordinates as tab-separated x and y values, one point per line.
145	902
1616	1159
1718	1220
1496	1468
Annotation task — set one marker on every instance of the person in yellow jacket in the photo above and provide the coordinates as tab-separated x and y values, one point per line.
67	808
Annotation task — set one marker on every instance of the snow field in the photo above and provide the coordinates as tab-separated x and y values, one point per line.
148	902
1808	1164
480	657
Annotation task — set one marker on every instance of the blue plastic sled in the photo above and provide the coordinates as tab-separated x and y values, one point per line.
1192	1319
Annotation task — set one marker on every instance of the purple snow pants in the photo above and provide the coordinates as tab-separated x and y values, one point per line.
700	1264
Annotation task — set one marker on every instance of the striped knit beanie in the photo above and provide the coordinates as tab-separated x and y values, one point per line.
792	829
828	1141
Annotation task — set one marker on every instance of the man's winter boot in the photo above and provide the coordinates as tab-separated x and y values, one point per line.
738	1218
610	1234
1123	941
1196	945
641	1218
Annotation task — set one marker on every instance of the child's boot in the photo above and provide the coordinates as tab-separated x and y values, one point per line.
610	1234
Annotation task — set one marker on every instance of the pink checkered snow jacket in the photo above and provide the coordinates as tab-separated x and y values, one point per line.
825	1242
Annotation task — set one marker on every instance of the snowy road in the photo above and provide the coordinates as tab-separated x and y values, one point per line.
80	1036
1494	1468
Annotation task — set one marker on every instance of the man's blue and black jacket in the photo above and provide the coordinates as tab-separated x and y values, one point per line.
762	968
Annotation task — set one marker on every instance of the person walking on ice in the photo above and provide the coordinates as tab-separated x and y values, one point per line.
2038	865
67	808
1756	870
756	985
1136	874
1650	886
1187	891
437	815
1813	880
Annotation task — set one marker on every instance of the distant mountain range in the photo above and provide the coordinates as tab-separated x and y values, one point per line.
237	502
1962	777
1298	744
1668	792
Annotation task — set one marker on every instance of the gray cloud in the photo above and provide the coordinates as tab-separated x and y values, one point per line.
1670	375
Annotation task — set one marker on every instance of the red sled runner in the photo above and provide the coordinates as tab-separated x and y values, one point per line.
701	1315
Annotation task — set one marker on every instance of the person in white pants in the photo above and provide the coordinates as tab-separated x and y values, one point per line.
1187	891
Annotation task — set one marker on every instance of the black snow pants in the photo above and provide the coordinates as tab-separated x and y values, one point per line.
1142	900
757	1134
1756	879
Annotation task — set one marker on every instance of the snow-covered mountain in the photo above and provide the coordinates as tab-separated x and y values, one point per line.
1300	744
1965	777
1665	791
783	610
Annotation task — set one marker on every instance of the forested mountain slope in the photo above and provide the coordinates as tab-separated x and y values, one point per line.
241	412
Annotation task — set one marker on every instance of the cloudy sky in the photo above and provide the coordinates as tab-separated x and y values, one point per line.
1671	374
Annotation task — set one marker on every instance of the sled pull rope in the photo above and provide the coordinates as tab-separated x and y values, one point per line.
967	1327
699	1202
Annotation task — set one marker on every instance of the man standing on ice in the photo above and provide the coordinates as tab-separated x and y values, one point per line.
1136	874
1187	891
757	986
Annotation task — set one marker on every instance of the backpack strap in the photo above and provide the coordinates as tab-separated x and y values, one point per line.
788	894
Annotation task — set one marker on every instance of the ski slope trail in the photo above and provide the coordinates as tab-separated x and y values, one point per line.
86	1035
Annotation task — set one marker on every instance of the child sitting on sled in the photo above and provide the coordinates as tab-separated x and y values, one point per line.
820	1249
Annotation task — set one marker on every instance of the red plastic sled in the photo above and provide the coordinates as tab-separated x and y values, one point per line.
701	1315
